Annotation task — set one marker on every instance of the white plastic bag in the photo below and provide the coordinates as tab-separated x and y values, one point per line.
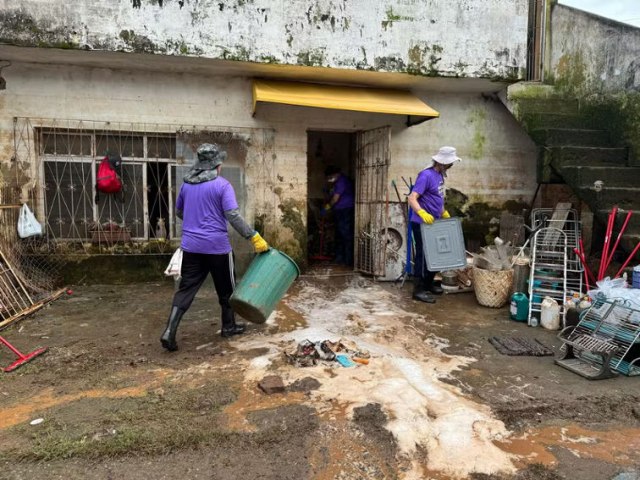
28	226
175	264
615	289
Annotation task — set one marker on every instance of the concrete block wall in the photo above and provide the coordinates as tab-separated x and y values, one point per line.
462	38
498	158
592	53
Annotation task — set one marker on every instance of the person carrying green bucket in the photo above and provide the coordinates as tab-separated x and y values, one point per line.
205	204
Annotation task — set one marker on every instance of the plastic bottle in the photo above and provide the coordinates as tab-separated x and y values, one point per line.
161	229
519	310
550	314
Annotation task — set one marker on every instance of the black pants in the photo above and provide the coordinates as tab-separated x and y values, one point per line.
419	262
195	268
344	219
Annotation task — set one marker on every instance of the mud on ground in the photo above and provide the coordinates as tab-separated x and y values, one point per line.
436	401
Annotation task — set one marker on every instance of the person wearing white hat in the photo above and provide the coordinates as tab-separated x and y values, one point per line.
427	205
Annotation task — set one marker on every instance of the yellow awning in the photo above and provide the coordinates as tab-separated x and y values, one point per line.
357	99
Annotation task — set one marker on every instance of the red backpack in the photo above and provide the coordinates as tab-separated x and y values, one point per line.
107	180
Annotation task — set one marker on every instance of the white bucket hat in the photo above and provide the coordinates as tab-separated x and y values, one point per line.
446	156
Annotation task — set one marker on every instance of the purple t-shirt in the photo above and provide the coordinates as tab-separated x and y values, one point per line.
344	188
430	186
204	226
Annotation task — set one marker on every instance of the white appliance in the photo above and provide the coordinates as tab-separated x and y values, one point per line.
395	232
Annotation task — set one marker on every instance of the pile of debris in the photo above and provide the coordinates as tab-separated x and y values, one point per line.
344	352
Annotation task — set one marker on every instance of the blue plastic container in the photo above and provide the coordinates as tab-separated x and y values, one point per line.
635	277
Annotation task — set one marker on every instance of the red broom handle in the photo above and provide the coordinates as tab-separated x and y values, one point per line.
588	276
604	247
607	239
615	245
11	347
584	262
635	250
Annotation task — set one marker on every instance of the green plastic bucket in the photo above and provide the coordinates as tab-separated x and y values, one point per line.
263	285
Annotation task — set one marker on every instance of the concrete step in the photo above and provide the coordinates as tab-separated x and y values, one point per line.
587	175
627	198
627	244
562	156
571	137
631	235
559	120
549	105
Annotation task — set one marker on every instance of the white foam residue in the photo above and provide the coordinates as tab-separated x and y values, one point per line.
402	376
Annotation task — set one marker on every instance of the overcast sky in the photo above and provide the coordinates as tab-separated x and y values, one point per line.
627	11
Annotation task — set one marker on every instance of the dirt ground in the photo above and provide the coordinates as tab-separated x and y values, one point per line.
437	400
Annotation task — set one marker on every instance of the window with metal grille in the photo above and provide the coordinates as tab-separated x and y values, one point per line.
74	210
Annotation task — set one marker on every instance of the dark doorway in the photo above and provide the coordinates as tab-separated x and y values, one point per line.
325	149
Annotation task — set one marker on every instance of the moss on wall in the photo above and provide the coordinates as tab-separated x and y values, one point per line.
480	220
477	120
138	43
113	269
424	59
20	28
571	74
290	235
617	113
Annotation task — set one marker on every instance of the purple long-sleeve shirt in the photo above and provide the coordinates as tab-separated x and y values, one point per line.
344	188
204	226
430	188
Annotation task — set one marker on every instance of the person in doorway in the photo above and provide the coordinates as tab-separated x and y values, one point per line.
427	205
206	203
341	202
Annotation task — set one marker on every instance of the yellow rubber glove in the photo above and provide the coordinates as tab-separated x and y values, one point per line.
259	244
445	214
426	217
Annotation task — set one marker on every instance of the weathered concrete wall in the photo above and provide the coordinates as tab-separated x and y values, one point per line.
498	166
591	53
466	38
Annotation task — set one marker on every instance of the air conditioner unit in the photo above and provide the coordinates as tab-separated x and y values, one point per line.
394	231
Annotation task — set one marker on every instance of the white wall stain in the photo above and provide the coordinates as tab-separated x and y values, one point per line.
473	38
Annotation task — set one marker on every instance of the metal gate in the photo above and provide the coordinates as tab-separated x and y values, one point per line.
372	166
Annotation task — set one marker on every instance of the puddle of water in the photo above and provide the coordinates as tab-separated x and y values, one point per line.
620	446
252	400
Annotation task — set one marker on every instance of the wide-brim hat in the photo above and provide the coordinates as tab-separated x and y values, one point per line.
446	156
210	156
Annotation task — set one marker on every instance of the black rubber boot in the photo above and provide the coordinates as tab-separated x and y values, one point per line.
229	325
420	294
168	338
430	286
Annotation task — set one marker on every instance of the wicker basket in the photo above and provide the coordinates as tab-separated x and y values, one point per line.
492	287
